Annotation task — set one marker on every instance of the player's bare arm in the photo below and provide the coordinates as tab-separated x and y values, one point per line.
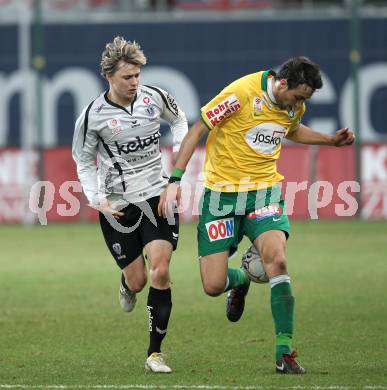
172	193
305	135
174	157
189	144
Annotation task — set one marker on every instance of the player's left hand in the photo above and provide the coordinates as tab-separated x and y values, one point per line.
343	137
106	208
169	199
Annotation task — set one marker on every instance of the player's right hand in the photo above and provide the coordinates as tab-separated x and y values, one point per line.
343	137
105	207
169	199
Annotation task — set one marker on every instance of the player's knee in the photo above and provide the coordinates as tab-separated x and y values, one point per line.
138	284
137	288
160	273
213	289
279	263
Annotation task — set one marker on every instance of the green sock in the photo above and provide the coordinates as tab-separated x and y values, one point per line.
282	308
236	277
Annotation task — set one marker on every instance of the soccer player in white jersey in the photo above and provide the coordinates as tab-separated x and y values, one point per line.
117	152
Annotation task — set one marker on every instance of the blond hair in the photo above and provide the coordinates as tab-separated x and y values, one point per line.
121	49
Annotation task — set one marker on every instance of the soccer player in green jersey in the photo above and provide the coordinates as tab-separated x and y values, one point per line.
246	123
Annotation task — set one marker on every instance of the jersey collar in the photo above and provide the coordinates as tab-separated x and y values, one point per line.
270	81
265	75
118	105
267	85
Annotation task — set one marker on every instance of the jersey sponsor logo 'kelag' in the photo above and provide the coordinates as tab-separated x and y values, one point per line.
223	110
221	229
139	143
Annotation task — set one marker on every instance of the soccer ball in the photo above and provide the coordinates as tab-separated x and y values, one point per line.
252	263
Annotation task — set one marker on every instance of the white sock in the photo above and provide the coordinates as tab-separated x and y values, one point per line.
279	279
227	284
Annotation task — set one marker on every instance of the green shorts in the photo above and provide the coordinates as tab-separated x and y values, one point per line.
228	216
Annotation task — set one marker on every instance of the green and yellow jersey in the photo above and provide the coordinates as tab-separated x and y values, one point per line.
246	133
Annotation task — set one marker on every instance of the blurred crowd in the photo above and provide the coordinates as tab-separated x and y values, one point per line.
162	5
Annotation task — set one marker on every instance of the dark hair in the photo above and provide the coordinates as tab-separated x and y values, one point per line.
300	70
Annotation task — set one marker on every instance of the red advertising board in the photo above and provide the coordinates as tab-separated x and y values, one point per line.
319	183
374	181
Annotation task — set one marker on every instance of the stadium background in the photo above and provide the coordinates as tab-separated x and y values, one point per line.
192	54
60	322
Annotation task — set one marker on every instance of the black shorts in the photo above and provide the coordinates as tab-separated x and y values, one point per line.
126	247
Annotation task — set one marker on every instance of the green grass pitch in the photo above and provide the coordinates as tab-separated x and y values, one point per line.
61	324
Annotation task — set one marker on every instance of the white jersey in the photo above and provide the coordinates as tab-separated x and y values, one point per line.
117	149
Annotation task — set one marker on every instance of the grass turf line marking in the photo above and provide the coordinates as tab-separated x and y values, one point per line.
204	387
